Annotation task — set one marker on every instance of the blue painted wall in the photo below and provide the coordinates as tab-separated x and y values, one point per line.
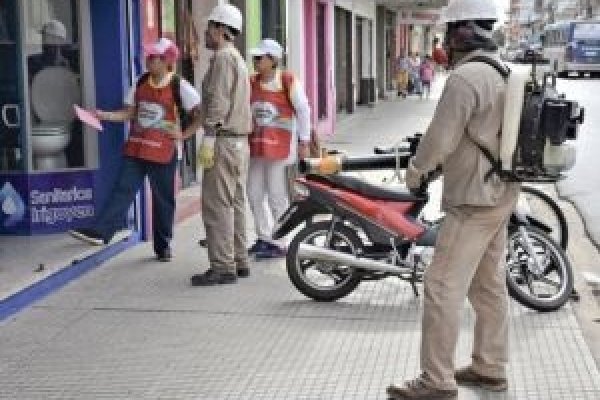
111	67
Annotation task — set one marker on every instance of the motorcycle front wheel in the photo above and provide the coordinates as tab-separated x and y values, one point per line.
547	288
323	281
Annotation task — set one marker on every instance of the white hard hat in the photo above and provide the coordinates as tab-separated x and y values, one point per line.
268	47
228	15
55	28
469	10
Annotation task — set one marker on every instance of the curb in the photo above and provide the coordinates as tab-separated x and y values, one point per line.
37	291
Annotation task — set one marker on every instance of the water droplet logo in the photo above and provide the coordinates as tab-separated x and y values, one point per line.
12	206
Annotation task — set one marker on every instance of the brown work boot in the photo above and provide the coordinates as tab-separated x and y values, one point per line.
467	377
418	389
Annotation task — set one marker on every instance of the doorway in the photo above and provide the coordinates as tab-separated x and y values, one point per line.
343	56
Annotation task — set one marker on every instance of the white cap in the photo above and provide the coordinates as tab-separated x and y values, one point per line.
268	47
55	28
228	15
470	10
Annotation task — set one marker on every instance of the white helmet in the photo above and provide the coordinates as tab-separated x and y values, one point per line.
470	10
228	15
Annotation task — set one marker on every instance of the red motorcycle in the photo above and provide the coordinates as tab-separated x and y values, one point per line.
354	231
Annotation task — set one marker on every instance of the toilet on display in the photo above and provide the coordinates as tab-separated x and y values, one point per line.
54	90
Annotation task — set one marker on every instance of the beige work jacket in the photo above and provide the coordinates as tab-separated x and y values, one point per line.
471	109
226	93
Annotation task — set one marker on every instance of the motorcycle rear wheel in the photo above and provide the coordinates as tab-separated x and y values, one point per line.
543	207
319	280
543	292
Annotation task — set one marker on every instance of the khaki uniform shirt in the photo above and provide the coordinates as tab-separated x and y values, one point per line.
226	93
471	109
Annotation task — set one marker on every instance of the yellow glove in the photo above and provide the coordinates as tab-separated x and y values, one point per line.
413	176
206	153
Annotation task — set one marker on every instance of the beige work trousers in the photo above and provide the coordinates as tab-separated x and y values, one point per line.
468	262
224	204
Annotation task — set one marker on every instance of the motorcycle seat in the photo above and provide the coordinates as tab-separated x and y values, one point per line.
371	190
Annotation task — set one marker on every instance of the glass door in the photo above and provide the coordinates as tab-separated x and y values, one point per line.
52	48
11	90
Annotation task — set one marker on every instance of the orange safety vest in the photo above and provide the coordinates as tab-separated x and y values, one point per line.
156	113
273	115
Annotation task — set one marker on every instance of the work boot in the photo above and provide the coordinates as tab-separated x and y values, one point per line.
417	389
258	246
212	277
270	251
467	377
242	272
164	255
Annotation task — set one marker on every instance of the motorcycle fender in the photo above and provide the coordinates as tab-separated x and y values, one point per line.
538	224
298	212
518	219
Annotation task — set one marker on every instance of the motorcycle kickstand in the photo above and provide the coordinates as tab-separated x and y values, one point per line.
411	260
413	281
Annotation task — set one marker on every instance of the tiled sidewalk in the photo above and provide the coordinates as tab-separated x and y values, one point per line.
135	329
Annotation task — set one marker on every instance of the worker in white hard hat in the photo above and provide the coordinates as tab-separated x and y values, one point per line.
469	253
224	151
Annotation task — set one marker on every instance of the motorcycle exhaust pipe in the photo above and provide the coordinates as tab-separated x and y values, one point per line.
327	255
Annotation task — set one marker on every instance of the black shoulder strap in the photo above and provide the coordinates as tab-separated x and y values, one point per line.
176	87
502	69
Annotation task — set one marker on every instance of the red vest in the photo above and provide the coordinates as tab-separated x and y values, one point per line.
155	114
273	115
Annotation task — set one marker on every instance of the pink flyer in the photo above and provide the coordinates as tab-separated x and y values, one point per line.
88	118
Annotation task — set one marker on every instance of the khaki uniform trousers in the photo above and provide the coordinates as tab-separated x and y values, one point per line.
224	204
468	262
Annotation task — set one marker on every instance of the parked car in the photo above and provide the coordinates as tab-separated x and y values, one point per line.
529	52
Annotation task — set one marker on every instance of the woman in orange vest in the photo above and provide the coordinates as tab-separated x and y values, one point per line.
151	149
281	134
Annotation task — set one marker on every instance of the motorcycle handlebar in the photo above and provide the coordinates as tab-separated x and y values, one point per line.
333	164
392	158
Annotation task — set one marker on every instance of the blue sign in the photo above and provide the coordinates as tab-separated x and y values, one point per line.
46	203
13	206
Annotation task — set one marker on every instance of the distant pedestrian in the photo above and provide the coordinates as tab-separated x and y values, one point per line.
415	78
439	54
281	135
402	74
427	72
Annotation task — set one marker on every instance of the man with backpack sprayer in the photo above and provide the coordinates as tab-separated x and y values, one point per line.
472	238
154	107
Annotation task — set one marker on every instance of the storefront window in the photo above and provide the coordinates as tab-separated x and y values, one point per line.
167	16
273	20
54	79
11	98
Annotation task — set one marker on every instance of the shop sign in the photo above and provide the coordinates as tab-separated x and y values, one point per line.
46	203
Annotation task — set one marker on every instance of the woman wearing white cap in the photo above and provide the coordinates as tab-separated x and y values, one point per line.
281	134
